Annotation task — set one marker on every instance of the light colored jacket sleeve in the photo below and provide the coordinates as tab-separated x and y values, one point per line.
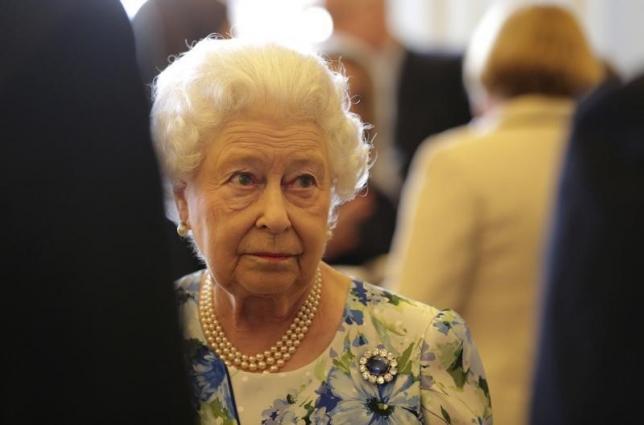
434	246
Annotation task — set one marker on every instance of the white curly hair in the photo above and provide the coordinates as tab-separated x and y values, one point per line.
220	79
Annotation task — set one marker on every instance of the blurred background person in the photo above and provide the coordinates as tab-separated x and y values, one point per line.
365	225
475	206
88	309
164	29
589	363
417	94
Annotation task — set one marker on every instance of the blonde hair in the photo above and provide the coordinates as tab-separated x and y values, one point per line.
533	49
218	80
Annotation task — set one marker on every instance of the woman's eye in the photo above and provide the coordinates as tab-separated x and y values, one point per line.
304	181
243	179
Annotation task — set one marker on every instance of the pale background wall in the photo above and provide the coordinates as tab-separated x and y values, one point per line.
616	27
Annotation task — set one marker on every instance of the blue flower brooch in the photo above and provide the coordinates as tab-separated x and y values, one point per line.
378	366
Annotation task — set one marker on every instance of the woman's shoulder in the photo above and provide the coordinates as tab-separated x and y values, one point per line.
370	294
382	301
187	287
435	323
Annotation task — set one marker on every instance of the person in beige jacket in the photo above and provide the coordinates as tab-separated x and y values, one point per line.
476	204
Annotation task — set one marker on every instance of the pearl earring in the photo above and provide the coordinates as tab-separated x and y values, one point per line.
183	229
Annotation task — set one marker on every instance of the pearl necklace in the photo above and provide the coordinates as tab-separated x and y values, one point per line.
279	353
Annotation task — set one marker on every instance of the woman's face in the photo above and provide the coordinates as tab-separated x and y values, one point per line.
259	203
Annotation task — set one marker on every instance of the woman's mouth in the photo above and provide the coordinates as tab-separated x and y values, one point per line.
272	256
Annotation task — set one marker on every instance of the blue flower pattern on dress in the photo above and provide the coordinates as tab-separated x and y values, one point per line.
211	390
363	403
327	399
352	317
359	292
279	413
207	373
442	326
440	378
360	340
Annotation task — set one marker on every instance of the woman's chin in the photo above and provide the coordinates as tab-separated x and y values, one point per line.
267	276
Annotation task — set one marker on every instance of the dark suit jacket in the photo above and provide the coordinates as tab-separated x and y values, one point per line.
431	99
589	368
89	321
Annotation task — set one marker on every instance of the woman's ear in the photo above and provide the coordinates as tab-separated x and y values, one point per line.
179	190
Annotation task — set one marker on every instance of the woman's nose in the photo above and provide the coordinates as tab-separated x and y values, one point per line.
273	215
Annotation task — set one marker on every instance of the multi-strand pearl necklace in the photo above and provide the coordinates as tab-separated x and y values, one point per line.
279	353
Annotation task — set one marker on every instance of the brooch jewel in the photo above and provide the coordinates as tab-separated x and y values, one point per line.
378	366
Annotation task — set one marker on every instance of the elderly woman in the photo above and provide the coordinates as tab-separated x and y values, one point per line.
475	207
261	148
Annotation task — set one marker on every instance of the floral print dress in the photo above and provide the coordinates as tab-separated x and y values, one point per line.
439	380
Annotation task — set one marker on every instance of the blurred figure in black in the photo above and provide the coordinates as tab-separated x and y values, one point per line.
589	364
88	312
164	29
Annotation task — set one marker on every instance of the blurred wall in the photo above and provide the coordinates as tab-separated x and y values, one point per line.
616	27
